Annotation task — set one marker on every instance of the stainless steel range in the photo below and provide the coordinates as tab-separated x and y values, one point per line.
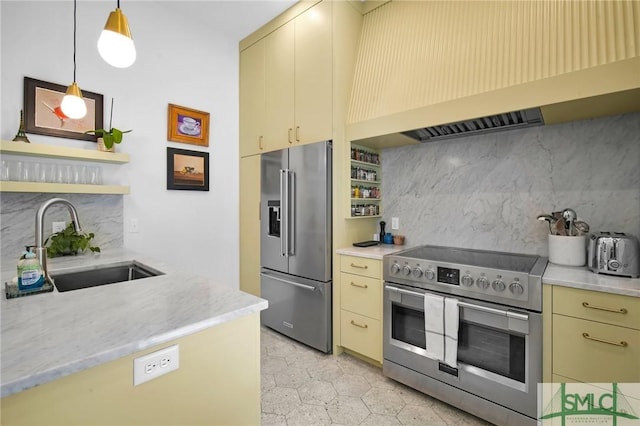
493	302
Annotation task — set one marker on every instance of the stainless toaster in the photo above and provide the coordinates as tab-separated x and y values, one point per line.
614	253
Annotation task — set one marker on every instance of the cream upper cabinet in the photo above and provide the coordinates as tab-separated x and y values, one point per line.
252	99
286	90
250	224
313	75
279	70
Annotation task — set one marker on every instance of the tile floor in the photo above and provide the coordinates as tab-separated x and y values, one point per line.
301	386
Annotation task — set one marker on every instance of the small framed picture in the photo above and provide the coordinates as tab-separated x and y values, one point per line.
187	170
43	116
188	125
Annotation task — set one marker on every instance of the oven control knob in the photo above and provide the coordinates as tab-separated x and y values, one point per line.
482	282
467	280
498	285
516	288
417	272
395	268
407	270
430	274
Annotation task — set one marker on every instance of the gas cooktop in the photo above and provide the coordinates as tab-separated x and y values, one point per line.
508	278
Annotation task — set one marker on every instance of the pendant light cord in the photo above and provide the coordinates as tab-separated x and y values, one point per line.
74	40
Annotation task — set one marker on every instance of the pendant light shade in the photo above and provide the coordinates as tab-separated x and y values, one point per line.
115	43
73	105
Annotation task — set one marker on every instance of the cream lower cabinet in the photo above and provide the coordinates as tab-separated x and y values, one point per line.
250	224
595	336
361	306
217	383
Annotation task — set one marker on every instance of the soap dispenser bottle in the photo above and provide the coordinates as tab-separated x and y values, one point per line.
30	274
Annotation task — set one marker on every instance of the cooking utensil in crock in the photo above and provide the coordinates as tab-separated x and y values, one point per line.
581	226
569	216
549	219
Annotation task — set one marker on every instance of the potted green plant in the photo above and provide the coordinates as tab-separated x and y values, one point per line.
69	242
109	137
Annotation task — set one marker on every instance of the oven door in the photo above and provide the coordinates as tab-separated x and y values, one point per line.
499	348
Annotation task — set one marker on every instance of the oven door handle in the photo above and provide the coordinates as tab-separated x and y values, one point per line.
403	291
500	312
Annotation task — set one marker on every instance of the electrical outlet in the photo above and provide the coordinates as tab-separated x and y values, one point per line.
155	364
133	226
395	223
58	227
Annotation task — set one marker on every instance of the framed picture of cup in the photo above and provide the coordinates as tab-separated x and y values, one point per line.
187	170
188	125
43	116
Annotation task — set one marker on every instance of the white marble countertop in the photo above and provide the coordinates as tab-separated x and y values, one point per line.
581	277
373	252
48	336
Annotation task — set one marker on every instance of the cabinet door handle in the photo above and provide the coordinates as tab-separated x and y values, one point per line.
297	133
359	325
353	265
604	308
289	135
260	142
359	285
608	342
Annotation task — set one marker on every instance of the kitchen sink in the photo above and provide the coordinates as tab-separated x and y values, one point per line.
102	275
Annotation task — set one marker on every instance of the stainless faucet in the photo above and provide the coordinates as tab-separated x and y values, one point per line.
41	250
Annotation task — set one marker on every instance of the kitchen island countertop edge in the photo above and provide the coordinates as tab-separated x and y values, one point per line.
51	335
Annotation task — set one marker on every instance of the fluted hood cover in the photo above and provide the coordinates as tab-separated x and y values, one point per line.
491	123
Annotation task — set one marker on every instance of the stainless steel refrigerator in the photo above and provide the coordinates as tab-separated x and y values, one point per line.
295	253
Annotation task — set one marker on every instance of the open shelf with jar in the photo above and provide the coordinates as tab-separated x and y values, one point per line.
366	194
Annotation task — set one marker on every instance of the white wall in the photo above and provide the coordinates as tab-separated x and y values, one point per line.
179	61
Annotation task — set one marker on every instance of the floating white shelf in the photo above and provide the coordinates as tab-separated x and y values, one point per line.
51	151
62	188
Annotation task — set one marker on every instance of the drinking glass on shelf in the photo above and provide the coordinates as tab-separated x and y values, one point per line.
5	170
94	175
15	171
40	172
52	173
78	174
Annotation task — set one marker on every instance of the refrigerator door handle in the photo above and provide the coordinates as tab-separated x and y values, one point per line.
304	286
291	232
284	214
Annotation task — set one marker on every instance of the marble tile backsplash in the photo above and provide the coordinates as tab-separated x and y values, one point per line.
100	214
485	191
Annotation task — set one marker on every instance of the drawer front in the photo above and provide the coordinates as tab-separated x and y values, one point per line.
361	266
596	306
361	334
581	358
362	295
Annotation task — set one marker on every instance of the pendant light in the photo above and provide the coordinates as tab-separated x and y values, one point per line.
73	105
115	43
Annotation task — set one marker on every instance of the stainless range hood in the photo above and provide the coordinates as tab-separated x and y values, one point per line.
492	123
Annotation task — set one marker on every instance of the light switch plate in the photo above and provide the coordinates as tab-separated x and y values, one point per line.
395	223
